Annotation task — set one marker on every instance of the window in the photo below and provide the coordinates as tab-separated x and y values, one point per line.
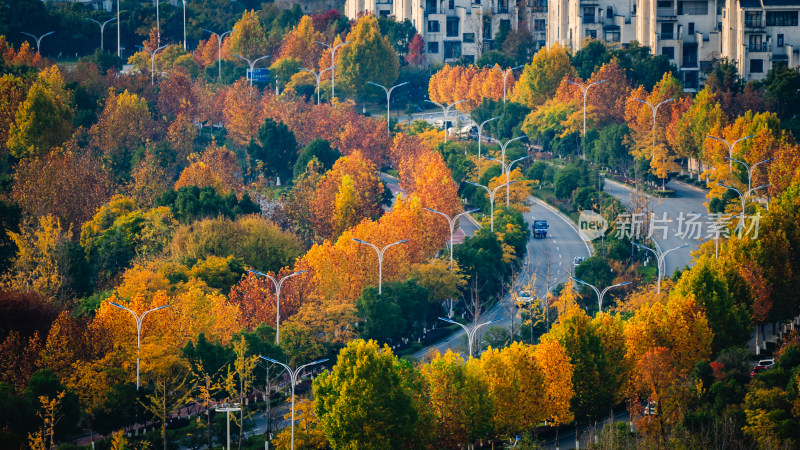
452	27
666	31
752	19
756	66
665	3
756	43
780	40
588	15
693	8
433	26
691	28
468	38
609	12
452	49
385	13
592	34
452	4
539	25
781	18
669	52
433	47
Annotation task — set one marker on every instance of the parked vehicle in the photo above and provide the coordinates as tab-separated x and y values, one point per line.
768	363
540	229
758	369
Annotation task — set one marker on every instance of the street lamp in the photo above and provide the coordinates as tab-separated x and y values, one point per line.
38	39
480	132
184	25
252	64
152	60
507	170
119	49
599	293
333	62
585	90
228	410
469	330
138	319
278	284
388	97
445	110
293	377
504	146
219	48
749	169
491	196
452	223
380	252
654	109
317	76
102	28
659	260
505	76
730	145
743	197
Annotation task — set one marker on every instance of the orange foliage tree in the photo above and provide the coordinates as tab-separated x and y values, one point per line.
454	83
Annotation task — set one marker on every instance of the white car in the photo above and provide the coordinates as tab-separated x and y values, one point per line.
524	295
577	261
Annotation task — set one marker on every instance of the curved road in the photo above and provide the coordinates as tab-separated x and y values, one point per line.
690	199
551	259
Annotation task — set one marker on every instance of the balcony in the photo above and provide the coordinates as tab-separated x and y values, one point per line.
667	36
588	20
754	26
762	47
501	10
590	2
666	18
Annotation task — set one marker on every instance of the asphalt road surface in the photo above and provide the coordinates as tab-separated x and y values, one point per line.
689	200
549	259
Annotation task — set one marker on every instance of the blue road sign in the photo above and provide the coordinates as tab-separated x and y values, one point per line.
258	75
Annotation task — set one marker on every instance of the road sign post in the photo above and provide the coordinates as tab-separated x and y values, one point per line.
258	75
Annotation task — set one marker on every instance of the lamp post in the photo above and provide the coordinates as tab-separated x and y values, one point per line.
491	196
504	146
293	378
730	145
585	89
252	64
654	109
184	25
452	222
317	76
333	62
138	319
469	330
599	293
507	170
228	410
388	97
119	49
102	28
743	197
480	132
219	48
505	76
750	169
152	60
659	260
380	252
445	110
278	284
38	39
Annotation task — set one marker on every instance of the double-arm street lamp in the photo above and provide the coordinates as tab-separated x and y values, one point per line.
38	39
317	77
480	132
491	193
730	145
743	197
293	380
333	63
469	330
505	77
507	170
138	318
278	284
388	98
252	64
452	222
659	260
219	48
597	291
152	60
445	111
749	170
654	110
380	252
585	89
504	146
102	28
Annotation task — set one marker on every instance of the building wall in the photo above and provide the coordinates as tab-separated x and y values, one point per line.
571	22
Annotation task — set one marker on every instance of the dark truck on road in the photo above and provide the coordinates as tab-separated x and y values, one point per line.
540	228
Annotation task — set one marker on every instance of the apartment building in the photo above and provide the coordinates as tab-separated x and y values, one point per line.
571	22
760	33
451	28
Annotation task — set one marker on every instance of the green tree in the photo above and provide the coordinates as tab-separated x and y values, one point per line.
590	57
368	57
277	150
189	203
367	400
540	79
319	149
248	38
399	311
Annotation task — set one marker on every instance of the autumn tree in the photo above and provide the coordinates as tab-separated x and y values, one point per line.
239	118
541	78
416	51
368	378
301	43
12	93
248	38
44	120
368	57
